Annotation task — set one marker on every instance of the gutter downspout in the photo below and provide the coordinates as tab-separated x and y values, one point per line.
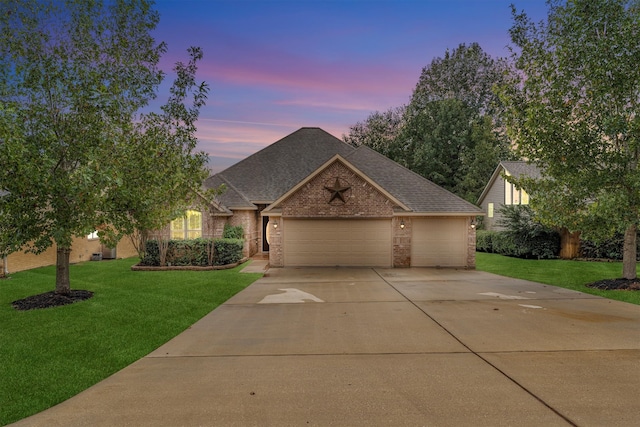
5	268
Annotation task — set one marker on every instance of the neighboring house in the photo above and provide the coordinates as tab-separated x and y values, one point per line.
499	192
310	199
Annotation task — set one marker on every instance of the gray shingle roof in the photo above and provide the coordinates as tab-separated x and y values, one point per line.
518	169
268	174
416	192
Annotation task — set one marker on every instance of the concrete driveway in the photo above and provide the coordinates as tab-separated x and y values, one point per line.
396	347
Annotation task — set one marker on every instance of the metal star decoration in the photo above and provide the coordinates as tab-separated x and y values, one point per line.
337	191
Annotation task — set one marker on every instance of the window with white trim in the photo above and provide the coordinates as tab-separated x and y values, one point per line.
187	227
514	195
93	235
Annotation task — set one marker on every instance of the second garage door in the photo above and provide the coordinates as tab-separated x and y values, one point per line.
439	242
353	242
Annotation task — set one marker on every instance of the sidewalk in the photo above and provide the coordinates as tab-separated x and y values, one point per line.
368	347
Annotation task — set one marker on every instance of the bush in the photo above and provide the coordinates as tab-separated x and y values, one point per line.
228	251
524	237
152	253
607	249
195	252
484	240
233	232
190	252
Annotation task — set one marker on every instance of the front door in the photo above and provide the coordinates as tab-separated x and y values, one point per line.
265	244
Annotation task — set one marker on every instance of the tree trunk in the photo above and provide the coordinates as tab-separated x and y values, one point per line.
63	286
629	253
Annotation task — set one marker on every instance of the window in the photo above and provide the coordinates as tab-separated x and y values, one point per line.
187	227
93	235
514	196
490	210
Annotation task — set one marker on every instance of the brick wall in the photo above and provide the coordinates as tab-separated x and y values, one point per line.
251	224
276	255
402	242
471	244
362	199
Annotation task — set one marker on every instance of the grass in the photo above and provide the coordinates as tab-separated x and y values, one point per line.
49	355
563	273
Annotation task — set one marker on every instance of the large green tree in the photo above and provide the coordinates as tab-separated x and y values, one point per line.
451	130
453	121
378	131
75	153
575	113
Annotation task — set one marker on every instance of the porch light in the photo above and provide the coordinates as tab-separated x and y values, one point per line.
275	224
402	224
473	223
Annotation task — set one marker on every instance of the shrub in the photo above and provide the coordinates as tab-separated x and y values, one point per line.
228	251
504	244
524	237
152	253
484	240
611	248
196	252
233	232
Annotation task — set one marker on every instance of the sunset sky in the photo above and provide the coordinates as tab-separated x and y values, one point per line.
274	66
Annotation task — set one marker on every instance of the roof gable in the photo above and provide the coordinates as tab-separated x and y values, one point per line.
264	176
415	191
339	168
516	169
275	172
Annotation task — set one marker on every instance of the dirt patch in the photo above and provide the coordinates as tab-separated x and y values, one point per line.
50	299
616	285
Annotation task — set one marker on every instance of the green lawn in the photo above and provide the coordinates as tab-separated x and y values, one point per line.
49	355
566	274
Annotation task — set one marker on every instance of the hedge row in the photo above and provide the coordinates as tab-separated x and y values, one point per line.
196	252
501	242
542	246
608	249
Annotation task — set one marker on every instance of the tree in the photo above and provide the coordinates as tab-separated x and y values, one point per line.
378	131
467	74
454	116
74	153
451	130
574	113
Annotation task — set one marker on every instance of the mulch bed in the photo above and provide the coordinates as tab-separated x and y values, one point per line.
616	285
51	299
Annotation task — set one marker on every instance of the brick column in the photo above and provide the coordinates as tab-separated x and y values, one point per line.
401	242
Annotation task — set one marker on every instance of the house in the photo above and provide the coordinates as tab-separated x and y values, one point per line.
310	199
499	192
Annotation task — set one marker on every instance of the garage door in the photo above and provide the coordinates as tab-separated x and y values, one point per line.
362	243
439	242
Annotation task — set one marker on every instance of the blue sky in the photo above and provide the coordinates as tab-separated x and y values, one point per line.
274	66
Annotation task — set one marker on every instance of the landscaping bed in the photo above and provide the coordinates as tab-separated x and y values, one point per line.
616	285
140	267
50	299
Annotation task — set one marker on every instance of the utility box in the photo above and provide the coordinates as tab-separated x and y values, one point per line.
96	257
108	253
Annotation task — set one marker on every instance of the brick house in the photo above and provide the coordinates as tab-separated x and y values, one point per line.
310	199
